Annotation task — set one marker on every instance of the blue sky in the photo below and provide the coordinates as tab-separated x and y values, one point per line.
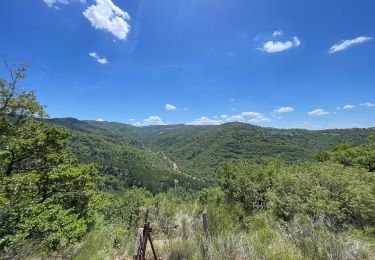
292	63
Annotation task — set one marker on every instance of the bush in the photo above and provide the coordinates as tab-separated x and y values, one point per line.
342	195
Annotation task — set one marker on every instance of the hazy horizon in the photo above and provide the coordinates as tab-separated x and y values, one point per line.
176	124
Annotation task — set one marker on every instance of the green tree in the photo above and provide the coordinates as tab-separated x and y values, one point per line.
44	193
327	191
247	183
127	208
362	156
365	155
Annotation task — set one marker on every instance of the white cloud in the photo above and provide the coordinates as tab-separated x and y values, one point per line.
368	104
318	112
54	3
251	114
272	47
235	118
348	107
169	107
105	15
296	41
277	33
343	45
261	119
153	120
284	110
206	121
101	60
256	117
100	120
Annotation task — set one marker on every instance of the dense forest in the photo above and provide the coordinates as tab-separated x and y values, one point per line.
73	189
197	151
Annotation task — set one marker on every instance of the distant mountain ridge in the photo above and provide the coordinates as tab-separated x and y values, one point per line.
196	151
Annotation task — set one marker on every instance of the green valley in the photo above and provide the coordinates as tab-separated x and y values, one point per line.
198	151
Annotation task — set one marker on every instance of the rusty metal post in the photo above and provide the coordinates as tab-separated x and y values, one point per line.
152	247
205	226
206	234
144	234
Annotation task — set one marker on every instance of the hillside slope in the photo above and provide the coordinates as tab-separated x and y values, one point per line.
200	150
123	157
196	150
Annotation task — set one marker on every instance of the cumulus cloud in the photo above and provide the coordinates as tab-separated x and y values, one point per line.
343	45
241	117
318	112
153	120
206	121
284	110
260	119
277	33
251	117
236	118
348	107
279	46
169	107
100	120
368	104
296	41
251	114
255	117
105	15
101	60
54	3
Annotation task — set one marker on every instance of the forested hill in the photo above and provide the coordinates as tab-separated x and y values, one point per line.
166	153
125	161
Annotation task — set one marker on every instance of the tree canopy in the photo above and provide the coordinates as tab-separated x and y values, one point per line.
44	192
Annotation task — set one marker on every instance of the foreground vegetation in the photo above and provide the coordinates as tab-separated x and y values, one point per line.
52	205
44	193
